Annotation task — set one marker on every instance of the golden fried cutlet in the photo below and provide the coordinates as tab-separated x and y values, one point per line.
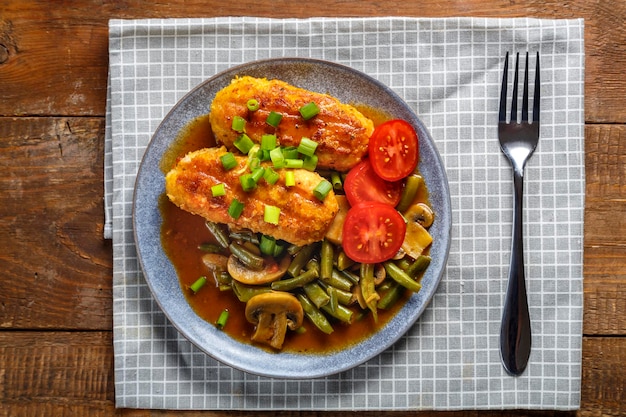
341	131
303	218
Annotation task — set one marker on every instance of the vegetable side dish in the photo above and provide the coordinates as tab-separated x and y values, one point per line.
298	222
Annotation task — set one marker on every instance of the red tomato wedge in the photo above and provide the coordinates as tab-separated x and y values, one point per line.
394	150
373	232
363	184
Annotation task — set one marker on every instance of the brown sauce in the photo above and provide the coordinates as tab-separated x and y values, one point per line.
182	233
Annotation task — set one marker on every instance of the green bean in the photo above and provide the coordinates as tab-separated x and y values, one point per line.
411	187
393	294
339	281
335	179
368	289
293	249
342	313
246	292
302	257
210	247
218	233
326	260
354	278
249	259
343	297
295	282
316	294
334	298
317	318
245	236
398	275
223	278
418	266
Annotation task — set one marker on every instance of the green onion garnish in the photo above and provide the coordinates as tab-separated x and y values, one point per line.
218	190
322	189
271	176
290	152
276	155
309	110
228	161
239	124
268	142
221	320
271	214
244	143
247	182
294	163
199	283
307	147
235	209
253	104
273	119
335	178
290	179
257	174
267	245
310	163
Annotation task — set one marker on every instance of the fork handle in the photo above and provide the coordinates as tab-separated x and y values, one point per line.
515	337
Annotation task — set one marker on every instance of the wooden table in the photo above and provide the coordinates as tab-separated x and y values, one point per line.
56	354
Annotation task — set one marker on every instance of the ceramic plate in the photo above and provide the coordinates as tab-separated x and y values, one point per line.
350	86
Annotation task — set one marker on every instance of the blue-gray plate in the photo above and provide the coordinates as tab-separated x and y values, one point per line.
349	86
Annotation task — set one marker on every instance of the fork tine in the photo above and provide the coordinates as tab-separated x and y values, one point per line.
525	93
502	114
514	97
536	97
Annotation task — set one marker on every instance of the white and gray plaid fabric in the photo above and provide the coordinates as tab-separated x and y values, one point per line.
449	71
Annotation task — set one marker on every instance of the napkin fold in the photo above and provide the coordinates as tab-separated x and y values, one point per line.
449	71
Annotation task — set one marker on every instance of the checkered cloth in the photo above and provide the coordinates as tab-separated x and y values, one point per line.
449	72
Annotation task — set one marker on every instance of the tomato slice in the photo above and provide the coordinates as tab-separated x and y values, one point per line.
363	184
373	232
394	150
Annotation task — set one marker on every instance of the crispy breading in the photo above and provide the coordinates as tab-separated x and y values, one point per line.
341	131
303	218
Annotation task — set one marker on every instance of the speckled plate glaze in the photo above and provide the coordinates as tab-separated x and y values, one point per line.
350	86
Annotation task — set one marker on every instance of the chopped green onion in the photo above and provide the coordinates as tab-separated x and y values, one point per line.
290	152
271	214
271	176
221	320
235	209
247	182
309	110
290	179
335	179
253	104
276	155
267	245
322	189
268	142
294	163
273	119
307	147
218	190
257	174
228	161
238	124
310	163
199	283
244	143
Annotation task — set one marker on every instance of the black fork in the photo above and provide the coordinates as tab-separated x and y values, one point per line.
518	140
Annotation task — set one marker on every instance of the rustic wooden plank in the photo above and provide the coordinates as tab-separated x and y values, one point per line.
56	266
47	45
71	373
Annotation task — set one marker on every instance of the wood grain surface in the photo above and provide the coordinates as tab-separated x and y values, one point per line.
56	354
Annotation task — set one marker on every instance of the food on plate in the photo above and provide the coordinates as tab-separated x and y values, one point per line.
285	236
302	219
341	131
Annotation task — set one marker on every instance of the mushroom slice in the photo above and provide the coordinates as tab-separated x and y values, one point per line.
273	313
271	271
420	213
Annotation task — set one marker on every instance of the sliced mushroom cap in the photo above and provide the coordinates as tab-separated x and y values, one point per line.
271	271
273	313
420	213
